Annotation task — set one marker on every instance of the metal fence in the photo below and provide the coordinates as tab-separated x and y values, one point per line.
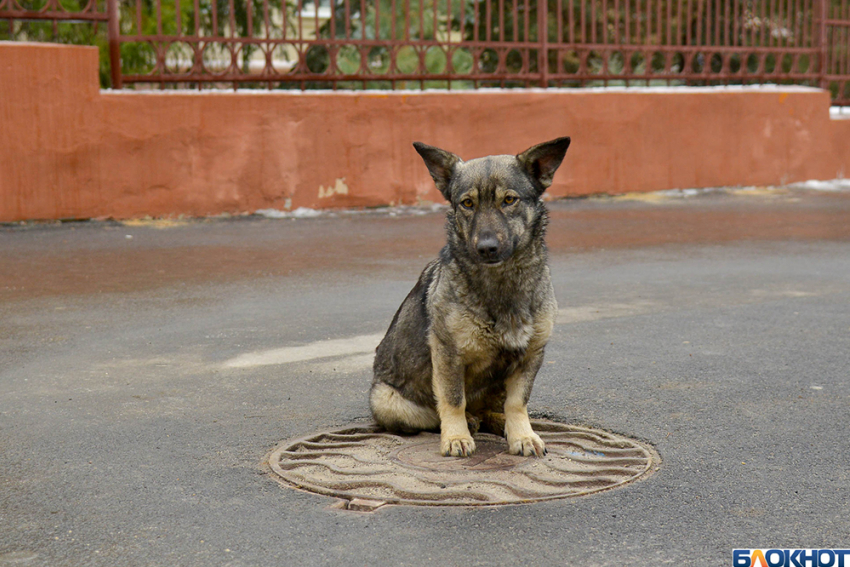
400	44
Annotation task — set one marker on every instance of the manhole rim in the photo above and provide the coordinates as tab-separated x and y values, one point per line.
272	465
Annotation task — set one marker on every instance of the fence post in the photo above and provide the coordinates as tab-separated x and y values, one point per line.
543	40
113	30
821	7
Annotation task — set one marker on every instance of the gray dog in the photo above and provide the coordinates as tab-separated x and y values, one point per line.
465	346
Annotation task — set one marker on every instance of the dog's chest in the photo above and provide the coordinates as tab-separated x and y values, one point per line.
480	338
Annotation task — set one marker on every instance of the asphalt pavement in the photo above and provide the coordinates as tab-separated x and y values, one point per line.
148	368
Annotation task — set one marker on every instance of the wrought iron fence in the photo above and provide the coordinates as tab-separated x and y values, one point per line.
401	44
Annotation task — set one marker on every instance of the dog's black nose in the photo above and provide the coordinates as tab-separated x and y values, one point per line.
488	248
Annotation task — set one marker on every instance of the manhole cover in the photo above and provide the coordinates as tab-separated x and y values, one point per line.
368	467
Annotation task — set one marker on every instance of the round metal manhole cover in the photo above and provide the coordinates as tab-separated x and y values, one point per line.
368	467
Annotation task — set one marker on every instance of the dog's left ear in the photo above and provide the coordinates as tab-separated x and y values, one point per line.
542	160
441	165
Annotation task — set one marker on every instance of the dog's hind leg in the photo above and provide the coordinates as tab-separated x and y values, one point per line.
493	422
486	414
396	413
473	422
489	410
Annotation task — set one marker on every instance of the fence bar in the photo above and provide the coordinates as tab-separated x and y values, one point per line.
475	13
823	47
543	37
177	18
113	32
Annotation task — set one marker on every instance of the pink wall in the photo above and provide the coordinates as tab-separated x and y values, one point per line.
69	150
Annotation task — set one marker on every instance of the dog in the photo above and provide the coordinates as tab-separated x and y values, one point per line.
462	351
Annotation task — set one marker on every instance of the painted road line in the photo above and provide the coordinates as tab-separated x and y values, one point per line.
320	349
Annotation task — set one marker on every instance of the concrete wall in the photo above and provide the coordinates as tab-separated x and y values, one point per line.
69	150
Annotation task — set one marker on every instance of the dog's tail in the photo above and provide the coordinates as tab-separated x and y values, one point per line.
396	413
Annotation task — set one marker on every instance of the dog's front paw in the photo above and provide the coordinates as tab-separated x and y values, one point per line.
457	445
530	445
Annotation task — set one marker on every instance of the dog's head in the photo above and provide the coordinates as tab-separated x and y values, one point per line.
496	199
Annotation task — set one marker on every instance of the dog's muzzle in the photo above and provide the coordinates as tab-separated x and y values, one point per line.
491	251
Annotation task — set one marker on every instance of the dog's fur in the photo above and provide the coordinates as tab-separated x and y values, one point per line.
466	344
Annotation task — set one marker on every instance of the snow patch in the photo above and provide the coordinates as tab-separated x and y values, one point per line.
839	112
816	185
681	192
305	213
421	209
299	213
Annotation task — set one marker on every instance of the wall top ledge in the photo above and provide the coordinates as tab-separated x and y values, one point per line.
40	45
736	89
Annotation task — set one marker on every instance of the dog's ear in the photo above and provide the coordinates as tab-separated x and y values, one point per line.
441	165
541	161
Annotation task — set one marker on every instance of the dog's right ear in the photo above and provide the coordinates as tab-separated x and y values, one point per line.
441	165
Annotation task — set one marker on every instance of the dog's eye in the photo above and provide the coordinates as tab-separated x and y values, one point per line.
510	200
467	203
